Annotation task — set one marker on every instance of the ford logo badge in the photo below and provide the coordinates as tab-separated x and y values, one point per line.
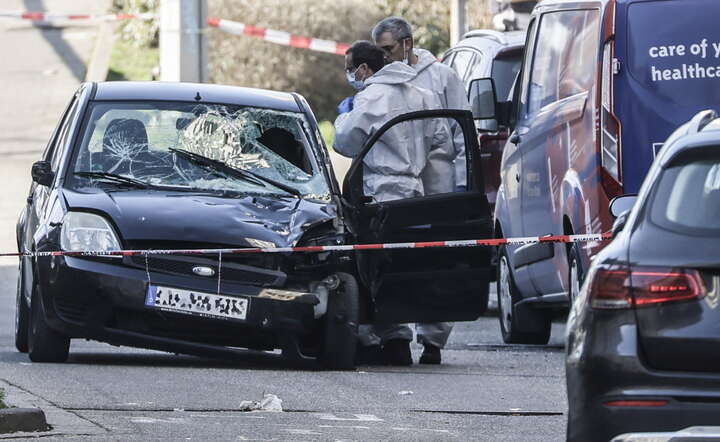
203	271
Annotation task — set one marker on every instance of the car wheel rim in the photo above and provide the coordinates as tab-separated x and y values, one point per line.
574	281
505	296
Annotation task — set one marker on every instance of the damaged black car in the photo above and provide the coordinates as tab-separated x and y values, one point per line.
154	166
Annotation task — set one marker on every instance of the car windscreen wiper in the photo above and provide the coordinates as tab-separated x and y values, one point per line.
244	174
122	179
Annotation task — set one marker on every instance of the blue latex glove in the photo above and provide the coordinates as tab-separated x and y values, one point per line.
346	105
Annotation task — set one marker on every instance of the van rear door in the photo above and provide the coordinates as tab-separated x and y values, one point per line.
669	69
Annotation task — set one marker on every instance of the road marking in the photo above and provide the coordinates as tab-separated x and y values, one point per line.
303	432
357	418
352	427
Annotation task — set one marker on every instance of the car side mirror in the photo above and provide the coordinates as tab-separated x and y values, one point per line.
483	99
485	106
42	173
621	204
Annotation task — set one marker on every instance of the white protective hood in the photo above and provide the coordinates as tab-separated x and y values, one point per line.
394	166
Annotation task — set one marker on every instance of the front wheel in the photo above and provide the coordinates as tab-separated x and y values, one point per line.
22	314
341	325
532	327
44	343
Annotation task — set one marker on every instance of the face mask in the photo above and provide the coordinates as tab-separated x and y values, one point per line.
356	84
406	55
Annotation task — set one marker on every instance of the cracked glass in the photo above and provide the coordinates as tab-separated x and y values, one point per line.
199	147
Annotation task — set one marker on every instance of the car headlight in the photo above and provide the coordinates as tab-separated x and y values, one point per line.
259	243
87	232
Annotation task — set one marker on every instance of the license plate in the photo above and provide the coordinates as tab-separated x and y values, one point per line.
196	303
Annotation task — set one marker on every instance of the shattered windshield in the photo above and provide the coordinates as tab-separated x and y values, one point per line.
186	146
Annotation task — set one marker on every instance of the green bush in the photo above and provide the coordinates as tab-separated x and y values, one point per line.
142	33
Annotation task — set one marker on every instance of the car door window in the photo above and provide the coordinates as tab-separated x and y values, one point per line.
462	61
415	158
560	65
50	148
63	137
526	67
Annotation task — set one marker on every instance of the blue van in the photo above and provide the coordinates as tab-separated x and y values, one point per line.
602	84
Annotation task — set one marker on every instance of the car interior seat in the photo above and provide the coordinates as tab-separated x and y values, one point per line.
125	147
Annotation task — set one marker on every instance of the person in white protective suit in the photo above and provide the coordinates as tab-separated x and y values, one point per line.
393	167
394	36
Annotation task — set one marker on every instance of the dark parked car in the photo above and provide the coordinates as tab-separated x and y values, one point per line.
143	166
644	333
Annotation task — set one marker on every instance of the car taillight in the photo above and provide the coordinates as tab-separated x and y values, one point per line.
612	288
610	132
637	403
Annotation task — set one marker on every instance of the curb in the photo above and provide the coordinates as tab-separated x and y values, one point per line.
22	419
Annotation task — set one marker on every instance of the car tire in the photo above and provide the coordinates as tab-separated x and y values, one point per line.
44	343
21	315
341	325
575	273
514	331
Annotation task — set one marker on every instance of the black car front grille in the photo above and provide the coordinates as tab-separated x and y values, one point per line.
229	271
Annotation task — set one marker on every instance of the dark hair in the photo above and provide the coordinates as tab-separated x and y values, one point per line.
397	26
364	51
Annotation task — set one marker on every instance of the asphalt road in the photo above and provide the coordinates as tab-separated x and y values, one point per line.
483	391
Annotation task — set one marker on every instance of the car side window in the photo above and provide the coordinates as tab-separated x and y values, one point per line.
560	68
63	137
461	62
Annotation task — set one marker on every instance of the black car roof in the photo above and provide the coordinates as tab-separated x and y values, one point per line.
209	93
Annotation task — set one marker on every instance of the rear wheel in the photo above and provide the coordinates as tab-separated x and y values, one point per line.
44	343
532	327
341	325
575	274
21	315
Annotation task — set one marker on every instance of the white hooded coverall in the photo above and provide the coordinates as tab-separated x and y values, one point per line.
393	167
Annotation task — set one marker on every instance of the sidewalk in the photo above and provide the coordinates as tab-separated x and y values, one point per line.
41	69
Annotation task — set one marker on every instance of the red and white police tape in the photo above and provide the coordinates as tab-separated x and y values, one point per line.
279	37
229	26
345	248
48	17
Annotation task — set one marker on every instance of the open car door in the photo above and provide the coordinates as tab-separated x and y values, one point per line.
432	284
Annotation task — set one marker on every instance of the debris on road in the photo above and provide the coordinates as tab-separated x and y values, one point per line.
405	393
270	402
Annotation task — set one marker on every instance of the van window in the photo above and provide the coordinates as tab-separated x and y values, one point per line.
563	63
674	50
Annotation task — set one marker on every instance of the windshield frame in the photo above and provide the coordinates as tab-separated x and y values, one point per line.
83	137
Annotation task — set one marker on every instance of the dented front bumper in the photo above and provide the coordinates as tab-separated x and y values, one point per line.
105	299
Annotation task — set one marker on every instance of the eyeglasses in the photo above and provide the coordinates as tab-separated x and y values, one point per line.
390	48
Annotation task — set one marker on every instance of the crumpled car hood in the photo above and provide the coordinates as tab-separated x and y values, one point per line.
142	215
